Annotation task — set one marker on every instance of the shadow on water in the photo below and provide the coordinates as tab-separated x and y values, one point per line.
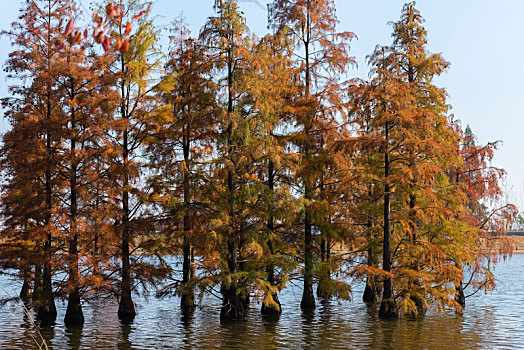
270	323
48	333
491	321
74	337
124	343
308	321
187	320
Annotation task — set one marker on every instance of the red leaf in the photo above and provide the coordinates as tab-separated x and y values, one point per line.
125	46
70	27
100	36
106	44
118	44
109	9
77	38
139	15
128	29
59	44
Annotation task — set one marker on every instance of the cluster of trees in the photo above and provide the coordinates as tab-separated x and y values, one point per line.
255	159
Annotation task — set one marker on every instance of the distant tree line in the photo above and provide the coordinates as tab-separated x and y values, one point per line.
254	159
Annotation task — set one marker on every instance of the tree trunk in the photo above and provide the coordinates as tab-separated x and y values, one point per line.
308	298
417	299
232	307
126	308
372	290
459	296
370	295
187	301
459	290
46	311
26	287
387	306
273	307
74	316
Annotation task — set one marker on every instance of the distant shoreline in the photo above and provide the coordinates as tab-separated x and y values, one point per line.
517	243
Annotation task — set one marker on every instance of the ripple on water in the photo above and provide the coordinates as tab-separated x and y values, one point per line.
491	321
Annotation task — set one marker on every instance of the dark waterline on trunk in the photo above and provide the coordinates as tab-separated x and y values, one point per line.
74	316
46	309
187	300
308	298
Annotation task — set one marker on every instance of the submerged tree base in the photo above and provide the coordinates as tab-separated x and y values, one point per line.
46	314
232	307
460	297
126	309
273	307
308	299
420	304
387	309
74	316
45	306
187	303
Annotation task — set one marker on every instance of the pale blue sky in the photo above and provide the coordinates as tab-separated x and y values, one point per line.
481	38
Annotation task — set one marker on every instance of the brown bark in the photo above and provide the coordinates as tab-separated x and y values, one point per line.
126	308
74	316
273	309
387	306
232	307
187	301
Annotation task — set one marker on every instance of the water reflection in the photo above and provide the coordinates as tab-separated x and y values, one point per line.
308	320
74	337
187	319
489	321
48	333
124	343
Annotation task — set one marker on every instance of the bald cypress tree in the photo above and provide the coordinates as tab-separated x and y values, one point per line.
134	62
30	196
227	38
411	148
488	213
186	132
322	55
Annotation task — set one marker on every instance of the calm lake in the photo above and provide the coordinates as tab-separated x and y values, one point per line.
492	321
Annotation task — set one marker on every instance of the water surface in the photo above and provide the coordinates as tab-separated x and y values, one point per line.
490	321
